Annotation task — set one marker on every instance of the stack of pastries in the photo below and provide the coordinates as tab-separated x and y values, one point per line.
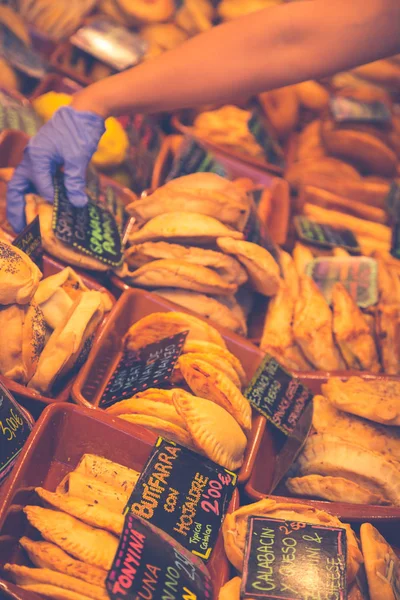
204	409
376	556
188	246
47	323
303	332
353	451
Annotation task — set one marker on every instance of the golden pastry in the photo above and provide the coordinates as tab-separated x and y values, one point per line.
19	275
231	590
92	491
210	348
289	273
388	330
108	472
161	427
281	108
335	489
382	564
142	406
215	361
302	256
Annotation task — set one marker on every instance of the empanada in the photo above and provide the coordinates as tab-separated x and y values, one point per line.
388	328
206	306
335	489
106	471
277	336
25	576
289	273
93	515
180	274
234	529
19	275
67	341
50	556
213	431
53	592
93	491
312	328
210	348
377	400
215	361
302	256
141	406
208	382
161	427
263	271
183	227
382	564
325	454
226	266
158	326
93	546
231	590
352	332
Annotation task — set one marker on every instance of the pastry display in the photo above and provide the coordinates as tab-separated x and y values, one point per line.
57	21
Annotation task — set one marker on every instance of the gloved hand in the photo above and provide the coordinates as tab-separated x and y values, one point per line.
70	138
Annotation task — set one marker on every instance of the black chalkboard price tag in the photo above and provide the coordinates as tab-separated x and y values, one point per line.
277	395
286	560
272	150
91	229
14	431
393	201
152	366
325	236
395	249
348	110
256	232
150	564
193	158
184	494
30	241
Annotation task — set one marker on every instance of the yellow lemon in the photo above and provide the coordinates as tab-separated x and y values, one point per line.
112	147
47	104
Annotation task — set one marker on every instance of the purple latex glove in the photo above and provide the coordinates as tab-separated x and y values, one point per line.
70	138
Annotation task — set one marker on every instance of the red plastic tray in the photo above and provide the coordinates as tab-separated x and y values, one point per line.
63	433
132	306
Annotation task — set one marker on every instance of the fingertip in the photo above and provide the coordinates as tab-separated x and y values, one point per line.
79	201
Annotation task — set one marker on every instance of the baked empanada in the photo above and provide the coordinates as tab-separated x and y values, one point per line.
50	556
93	515
234	529
335	489
25	576
352	332
214	431
19	275
180	274
377	400
277	336
208	382
325	454
161	427
226	266
312	328
141	406
206	306
388	329
215	361
67	341
289	273
93	491
158	326
93	546
183	227
382	564
106	471
210	348
302	256
53	592
262	269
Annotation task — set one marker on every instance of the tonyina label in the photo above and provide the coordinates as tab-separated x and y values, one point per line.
184	494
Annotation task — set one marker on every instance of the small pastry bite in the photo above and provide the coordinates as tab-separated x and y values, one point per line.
263	271
208	382
377	400
183	227
67	341
19	276
213	430
180	274
352	332
90	545
382	564
50	556
158	326
234	529
312	328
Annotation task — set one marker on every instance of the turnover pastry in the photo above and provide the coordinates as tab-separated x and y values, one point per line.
158	326
208	382
226	266
180	274
108	472
68	340
312	328
388	329
19	275
289	274
197	346
92	491
234	529
377	400
205	306
382	564
183	227
263	271
335	489
352	332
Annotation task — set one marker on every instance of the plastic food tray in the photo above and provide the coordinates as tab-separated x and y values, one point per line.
264	463
63	433
104	356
